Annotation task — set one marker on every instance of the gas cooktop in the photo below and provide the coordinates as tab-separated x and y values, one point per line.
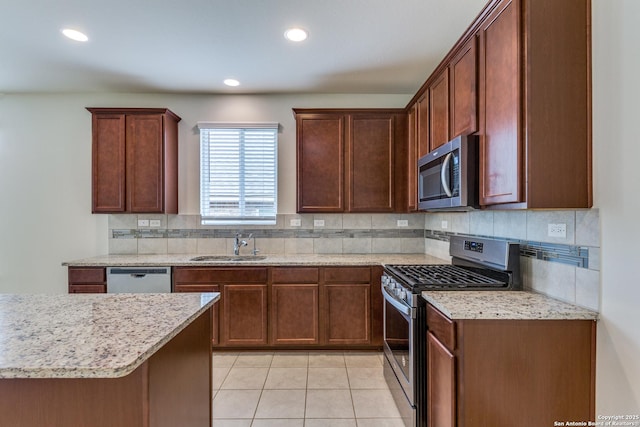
447	276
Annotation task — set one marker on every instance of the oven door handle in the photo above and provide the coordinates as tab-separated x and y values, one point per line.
397	304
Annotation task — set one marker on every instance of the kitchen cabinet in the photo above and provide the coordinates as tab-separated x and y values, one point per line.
520	78
291	307
535	104
87	280
134	160
412	157
346	305
244	315
439	110
241	318
294	311
348	160
463	98
541	371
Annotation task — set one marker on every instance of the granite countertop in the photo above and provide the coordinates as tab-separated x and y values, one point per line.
90	335
270	260
519	305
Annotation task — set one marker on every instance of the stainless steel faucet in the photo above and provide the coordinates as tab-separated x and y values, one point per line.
237	243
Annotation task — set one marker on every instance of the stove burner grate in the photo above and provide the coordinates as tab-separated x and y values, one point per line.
446	276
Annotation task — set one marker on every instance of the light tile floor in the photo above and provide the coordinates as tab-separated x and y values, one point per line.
301	389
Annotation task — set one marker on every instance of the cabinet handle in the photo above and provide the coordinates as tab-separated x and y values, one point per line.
444	174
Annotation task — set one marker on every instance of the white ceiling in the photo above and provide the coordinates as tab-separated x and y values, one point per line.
190	46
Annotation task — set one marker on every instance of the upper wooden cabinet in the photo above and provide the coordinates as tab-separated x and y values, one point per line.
519	78
439	110
134	160
535	104
351	160
463	93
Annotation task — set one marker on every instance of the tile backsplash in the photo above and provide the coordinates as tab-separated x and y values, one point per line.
564	267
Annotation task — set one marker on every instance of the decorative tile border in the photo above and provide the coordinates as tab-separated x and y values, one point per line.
207	233
577	256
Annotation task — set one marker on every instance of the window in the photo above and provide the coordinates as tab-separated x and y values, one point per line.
238	180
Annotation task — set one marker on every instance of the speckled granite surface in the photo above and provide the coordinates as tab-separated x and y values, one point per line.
522	305
270	260
90	335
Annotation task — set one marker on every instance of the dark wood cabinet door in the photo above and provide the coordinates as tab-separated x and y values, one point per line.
464	95
108	163
347	313
294	314
144	156
371	158
244	315
422	124
320	162
87	280
439	111
441	384
215	318
500	144
412	159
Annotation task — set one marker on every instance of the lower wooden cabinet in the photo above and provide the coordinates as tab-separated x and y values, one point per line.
346	305
291	307
293	314
501	372
87	280
244	315
215	310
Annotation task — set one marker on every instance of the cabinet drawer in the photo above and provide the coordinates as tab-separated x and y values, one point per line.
220	275
347	275
87	275
441	327
87	289
295	275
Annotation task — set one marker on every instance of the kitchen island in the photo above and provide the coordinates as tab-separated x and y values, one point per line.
106	360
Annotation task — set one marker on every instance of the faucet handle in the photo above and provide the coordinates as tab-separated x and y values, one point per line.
255	251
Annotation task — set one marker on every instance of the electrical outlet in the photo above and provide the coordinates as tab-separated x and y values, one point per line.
154	223
143	223
445	225
295	222
403	223
318	222
557	230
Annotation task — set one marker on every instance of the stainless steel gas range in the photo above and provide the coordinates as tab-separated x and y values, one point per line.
476	264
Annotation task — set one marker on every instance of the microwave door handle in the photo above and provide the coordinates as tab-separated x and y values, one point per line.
444	174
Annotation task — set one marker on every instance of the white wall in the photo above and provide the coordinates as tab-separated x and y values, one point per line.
45	170
616	67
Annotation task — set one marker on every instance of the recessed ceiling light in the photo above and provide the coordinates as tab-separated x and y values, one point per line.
296	34
75	35
231	82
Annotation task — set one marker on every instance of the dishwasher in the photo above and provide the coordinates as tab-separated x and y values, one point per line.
138	280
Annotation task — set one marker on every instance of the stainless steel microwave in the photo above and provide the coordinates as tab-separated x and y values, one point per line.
448	176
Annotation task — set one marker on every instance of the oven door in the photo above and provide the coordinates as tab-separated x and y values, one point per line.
399	343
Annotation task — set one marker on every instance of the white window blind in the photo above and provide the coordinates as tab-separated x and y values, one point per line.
238	173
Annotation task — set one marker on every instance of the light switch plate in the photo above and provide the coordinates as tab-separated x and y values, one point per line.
295	222
154	223
318	222
445	225
143	223
403	223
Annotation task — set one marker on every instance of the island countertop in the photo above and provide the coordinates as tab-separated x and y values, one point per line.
90	335
505	305
268	260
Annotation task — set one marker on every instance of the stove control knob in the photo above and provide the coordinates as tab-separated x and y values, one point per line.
402	294
392	283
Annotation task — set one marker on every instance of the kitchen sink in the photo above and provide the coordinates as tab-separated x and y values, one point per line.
229	258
